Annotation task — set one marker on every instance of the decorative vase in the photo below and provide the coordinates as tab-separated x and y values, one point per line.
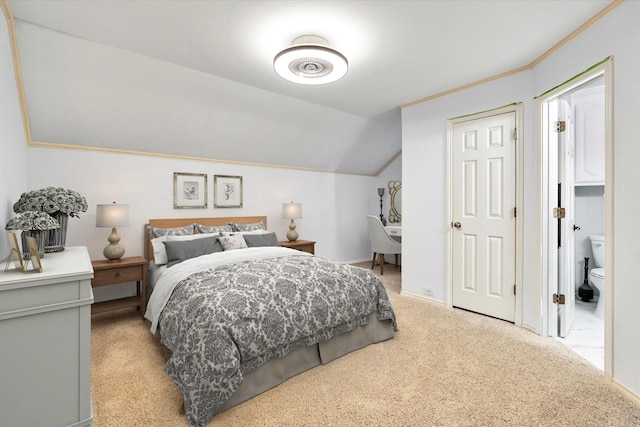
39	235
57	237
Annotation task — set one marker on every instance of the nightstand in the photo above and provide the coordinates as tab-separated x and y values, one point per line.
133	269
301	245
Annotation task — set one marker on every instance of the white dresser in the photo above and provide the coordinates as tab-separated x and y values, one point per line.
45	342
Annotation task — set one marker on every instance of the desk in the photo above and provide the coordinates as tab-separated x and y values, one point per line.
395	231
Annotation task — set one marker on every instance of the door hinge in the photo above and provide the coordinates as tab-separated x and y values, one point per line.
558	298
515	211
514	289
559	126
558	213
515	134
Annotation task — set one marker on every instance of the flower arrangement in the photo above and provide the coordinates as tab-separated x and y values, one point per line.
51	200
32	220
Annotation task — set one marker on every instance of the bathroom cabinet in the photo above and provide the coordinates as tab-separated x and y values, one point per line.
45	342
588	105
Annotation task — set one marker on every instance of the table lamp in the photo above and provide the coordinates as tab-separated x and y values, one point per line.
292	211
113	215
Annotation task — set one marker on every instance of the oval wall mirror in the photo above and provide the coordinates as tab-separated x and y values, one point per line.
395	192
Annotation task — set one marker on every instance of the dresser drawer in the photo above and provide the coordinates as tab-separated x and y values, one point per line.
116	275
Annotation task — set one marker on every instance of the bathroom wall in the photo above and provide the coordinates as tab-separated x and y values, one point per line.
589	216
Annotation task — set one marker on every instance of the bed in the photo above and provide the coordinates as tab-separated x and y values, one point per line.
241	320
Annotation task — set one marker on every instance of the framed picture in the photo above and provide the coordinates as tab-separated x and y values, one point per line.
14	253
189	190
227	191
34	255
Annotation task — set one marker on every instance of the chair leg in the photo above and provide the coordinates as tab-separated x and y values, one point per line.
396	261
373	263
381	264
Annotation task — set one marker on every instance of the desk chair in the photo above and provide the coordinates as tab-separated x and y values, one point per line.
381	242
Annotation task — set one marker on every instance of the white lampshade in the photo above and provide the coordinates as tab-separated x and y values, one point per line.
112	215
292	210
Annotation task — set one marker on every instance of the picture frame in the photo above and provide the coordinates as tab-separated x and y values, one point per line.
34	255
189	190
14	253
227	191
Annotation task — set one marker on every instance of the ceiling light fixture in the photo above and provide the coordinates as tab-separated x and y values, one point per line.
310	61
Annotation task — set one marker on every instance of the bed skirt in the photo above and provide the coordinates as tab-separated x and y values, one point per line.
276	371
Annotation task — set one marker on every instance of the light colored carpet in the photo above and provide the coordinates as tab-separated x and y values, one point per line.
443	368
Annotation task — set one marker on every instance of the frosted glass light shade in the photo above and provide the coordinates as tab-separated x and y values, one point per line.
310	61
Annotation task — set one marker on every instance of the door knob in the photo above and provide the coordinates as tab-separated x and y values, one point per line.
457	225
575	227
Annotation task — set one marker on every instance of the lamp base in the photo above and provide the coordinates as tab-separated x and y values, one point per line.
113	253
114	250
292	234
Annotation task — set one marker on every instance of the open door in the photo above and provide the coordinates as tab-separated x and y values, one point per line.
551	209
566	230
561	255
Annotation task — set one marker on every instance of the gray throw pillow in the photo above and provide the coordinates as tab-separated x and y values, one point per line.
178	251
255	240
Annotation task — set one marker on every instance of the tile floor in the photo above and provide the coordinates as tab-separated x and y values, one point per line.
586	336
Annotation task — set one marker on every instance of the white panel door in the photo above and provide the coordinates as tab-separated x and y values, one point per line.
483	220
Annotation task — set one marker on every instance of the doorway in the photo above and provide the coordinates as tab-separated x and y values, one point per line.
485	190
575	169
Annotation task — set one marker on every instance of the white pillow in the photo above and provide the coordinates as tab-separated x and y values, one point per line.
235	241
160	251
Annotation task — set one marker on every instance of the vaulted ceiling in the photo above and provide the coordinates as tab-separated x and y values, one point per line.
196	79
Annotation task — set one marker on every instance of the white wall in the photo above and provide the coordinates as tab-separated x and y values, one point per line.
333	205
424	134
424	176
13	160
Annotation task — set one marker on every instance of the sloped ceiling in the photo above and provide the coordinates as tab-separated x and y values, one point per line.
195	78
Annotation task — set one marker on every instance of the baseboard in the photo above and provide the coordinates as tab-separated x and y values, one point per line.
425	298
628	393
357	261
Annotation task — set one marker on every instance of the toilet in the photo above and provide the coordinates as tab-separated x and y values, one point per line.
596	276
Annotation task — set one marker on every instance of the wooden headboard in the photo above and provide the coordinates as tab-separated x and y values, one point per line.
181	222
